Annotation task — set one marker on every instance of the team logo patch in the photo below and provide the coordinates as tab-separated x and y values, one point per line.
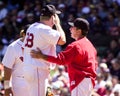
72	83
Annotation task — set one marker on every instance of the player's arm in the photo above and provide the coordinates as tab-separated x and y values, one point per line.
1	68
7	62
62	39
7	75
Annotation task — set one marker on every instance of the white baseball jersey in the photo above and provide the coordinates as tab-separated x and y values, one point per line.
36	71
13	60
43	37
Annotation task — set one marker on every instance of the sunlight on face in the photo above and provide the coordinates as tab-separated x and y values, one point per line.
74	33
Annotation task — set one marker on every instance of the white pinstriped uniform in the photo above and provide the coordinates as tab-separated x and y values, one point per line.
12	60
36	71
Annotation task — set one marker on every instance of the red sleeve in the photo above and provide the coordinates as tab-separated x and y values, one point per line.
64	57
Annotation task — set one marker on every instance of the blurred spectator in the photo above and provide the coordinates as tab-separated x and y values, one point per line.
105	72
114	48
2	50
65	92
97	26
3	10
26	9
61	75
110	24
29	19
115	68
116	86
16	25
59	80
37	10
100	85
8	31
63	8
101	67
108	88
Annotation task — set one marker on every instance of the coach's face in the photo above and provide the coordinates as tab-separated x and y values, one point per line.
75	32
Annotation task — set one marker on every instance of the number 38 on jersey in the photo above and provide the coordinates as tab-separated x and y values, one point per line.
29	40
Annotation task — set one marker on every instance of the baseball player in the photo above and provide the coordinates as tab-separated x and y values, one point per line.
41	35
13	64
80	58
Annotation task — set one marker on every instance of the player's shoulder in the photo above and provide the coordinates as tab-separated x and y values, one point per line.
16	43
15	46
42	28
38	26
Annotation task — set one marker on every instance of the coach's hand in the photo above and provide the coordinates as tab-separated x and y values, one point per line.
38	54
8	92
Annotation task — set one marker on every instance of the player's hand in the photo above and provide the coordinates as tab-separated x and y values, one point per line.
36	53
8	92
56	19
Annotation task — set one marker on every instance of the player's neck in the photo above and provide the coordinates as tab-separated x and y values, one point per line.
47	23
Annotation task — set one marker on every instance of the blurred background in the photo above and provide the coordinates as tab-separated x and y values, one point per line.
104	19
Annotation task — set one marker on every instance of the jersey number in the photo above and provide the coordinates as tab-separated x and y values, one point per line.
29	40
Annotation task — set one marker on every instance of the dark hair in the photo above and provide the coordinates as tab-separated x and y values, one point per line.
49	10
82	24
84	32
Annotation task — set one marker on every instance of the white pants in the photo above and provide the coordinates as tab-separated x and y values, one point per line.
84	88
36	77
19	86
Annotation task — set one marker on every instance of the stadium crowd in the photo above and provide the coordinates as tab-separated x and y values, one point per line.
104	19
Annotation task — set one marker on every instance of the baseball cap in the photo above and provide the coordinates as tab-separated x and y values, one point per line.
49	10
80	23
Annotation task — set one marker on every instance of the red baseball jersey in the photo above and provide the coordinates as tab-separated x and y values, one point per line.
80	58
